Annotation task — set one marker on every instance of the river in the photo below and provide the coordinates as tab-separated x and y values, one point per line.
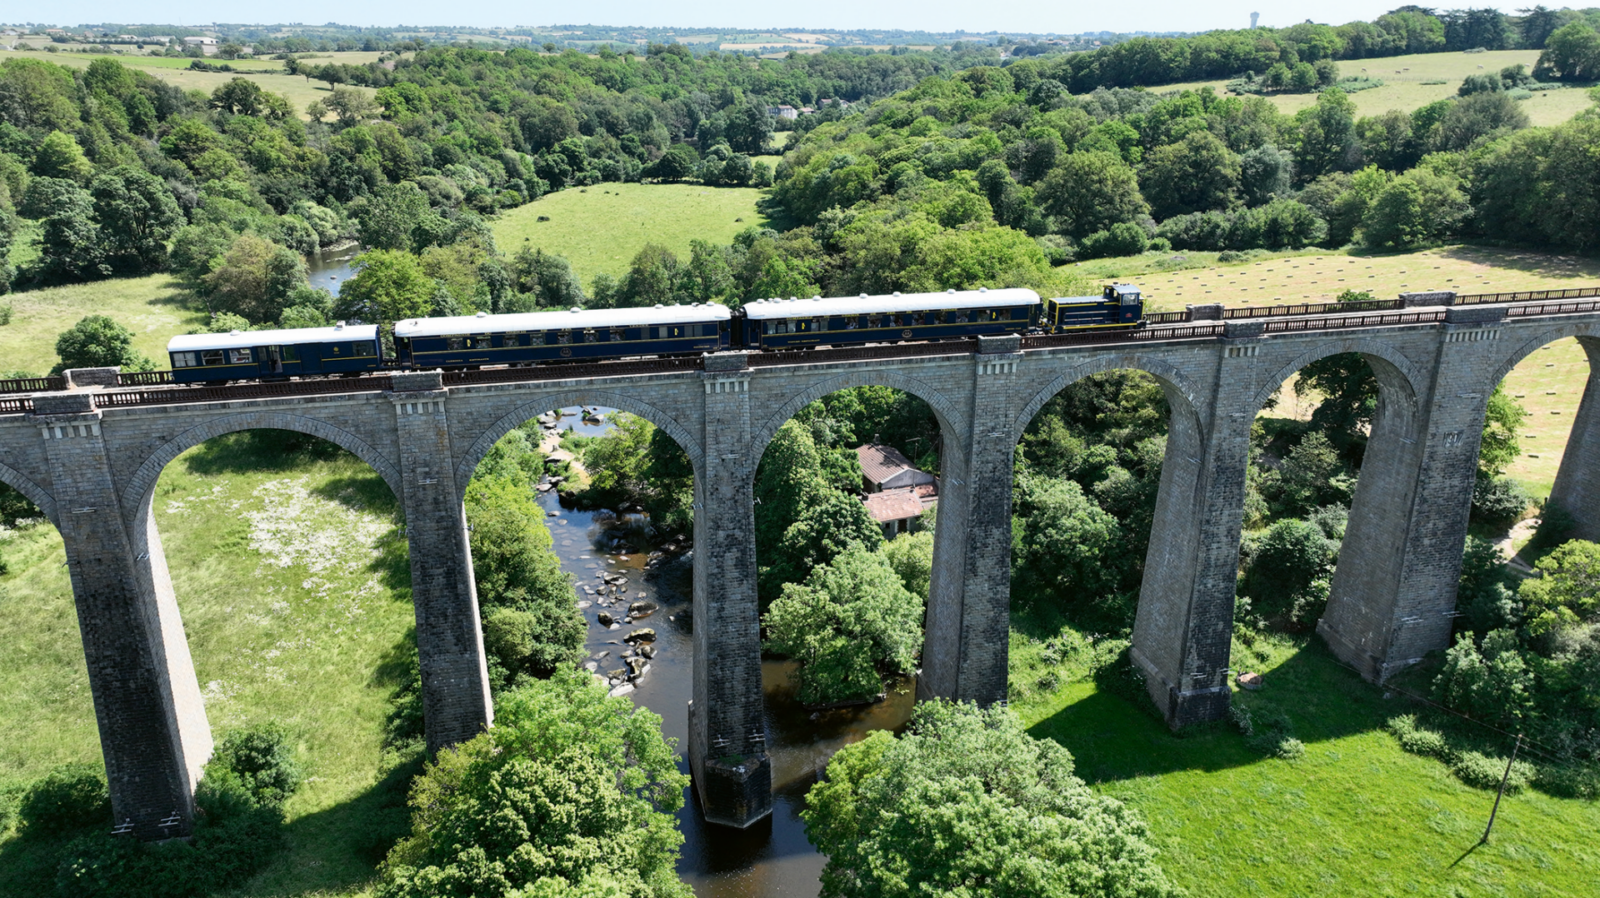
330	268
771	858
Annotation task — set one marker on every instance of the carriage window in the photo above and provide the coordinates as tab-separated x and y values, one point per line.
455	342
564	337
364	348
239	356
616	335
819	324
290	354
873	320
589	336
900	320
850	323
183	360
211	357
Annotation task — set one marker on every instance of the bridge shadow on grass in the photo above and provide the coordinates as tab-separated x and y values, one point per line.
254	451
1116	739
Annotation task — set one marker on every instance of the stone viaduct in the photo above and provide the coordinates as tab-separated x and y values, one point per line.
90	457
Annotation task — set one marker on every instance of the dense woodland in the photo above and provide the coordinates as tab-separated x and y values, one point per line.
946	170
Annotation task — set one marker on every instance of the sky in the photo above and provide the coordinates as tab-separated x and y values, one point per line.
929	15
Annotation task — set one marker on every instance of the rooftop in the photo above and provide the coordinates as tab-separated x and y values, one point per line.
894	505
879	463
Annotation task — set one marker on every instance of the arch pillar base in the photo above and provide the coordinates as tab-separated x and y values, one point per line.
734	790
1577	487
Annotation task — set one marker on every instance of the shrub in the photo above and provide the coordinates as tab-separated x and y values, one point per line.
1494	684
1122	239
1290	559
1569	780
1419	741
68	798
1499	501
261	759
1483	772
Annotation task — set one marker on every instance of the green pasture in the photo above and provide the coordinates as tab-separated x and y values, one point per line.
600	228
292	576
1406	84
156	308
266	72
1355	817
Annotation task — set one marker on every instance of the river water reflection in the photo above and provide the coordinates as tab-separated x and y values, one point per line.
330	268
771	858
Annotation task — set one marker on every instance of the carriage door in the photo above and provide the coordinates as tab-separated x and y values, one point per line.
272	359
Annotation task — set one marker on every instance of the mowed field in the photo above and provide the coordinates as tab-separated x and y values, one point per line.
1406	84
600	229
291	572
266	72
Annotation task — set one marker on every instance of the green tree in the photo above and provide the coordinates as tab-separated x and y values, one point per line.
254	279
69	239
1417	208
1492	683
545	277
521	586
1326	135
1567	592
98	342
59	156
570	794
801	521
966	803
1064	547
851	620
749	129
1500	447
1289	559
137	216
1571	53
911	556
1312	475
1090	192
677	163
1479	116
391	216
388	286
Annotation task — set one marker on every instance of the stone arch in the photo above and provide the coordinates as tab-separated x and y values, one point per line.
144	479
36	494
1544	338
527	410
1173	382
1394	371
950	417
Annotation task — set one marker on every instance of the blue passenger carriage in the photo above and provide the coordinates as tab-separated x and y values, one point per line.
275	354
529	337
1119	306
952	315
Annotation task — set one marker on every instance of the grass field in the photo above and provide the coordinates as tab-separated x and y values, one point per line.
1356	816
1406	84
600	228
292	576
156	308
266	72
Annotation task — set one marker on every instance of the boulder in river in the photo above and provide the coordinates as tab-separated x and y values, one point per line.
648	651
642	608
624	689
643	634
604	618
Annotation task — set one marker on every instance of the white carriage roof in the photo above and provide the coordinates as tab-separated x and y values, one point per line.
342	333
548	321
897	302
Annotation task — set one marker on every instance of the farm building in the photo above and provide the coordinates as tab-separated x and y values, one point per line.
897	493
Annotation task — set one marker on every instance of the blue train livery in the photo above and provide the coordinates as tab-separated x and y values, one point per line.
529	337
275	354
1119	306
952	315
